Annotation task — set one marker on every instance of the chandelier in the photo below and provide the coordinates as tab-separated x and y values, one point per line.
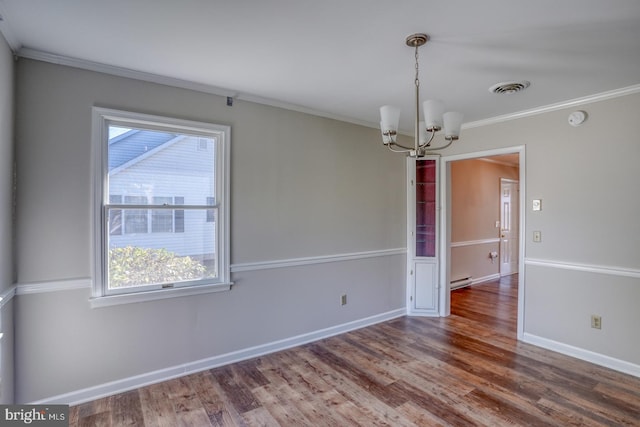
435	119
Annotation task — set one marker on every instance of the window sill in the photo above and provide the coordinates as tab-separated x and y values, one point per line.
109	300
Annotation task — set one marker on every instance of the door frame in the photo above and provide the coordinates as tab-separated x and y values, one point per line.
445	228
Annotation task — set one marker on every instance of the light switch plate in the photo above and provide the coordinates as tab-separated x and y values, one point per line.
537	205
537	236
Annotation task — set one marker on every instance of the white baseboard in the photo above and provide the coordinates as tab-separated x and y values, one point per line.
126	384
580	353
486	278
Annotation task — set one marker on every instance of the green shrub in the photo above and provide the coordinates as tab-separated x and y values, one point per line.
131	266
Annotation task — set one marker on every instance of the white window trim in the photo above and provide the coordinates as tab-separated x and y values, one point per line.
100	119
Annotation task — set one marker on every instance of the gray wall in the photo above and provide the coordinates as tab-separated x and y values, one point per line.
587	178
6	215
302	186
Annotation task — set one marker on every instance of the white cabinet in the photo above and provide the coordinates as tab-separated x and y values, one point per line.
424	287
422	219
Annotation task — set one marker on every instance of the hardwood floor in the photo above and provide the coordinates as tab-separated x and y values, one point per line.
464	370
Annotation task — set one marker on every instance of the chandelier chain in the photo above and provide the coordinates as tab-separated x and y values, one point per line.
417	81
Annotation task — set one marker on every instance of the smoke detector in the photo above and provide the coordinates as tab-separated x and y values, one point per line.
509	87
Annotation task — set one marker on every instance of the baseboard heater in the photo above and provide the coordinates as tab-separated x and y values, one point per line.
455	284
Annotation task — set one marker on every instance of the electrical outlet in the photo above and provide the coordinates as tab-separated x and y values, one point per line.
343	299
537	236
596	321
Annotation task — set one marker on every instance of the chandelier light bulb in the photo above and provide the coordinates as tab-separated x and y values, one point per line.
390	117
452	125
433	111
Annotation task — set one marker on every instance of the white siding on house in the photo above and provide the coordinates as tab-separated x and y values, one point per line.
171	171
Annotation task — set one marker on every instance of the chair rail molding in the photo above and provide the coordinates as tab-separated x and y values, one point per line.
87	282
589	268
475	242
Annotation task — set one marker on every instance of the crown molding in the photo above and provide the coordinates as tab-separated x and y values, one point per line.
629	90
28	53
122	72
99	67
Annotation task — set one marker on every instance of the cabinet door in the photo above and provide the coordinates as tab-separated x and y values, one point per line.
426	295
425	208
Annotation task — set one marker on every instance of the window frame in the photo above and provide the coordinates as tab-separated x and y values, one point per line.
221	135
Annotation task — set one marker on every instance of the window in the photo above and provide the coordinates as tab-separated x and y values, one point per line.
154	186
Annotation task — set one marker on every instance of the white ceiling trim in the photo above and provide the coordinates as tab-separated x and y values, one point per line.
121	72
200	87
555	107
174	82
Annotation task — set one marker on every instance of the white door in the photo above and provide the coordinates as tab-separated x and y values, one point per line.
509	214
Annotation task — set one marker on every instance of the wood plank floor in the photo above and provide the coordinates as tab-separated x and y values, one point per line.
464	370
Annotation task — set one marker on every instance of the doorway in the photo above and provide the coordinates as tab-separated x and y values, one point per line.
490	258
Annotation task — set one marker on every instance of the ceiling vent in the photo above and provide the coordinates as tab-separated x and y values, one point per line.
509	87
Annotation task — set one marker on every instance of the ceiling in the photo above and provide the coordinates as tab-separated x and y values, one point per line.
346	58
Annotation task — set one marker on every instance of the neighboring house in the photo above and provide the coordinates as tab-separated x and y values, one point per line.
145	168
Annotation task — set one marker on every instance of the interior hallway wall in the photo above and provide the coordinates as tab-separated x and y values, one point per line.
475	208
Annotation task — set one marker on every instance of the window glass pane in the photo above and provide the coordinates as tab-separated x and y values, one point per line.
160	245
211	201
178	215
135	220
164	258
115	217
161	164
162	219
426	208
